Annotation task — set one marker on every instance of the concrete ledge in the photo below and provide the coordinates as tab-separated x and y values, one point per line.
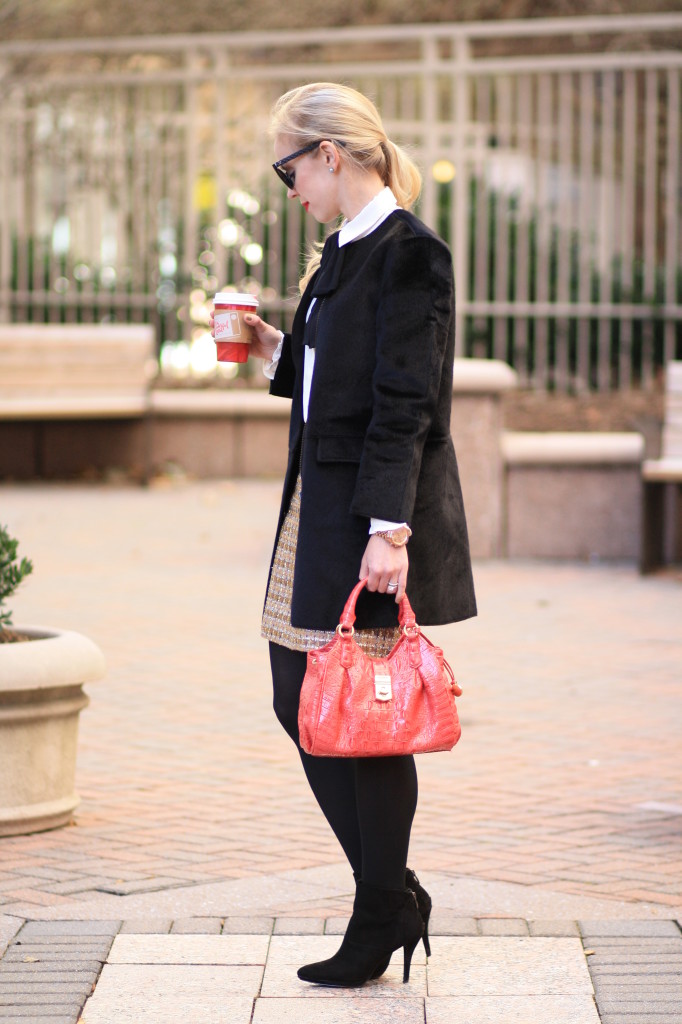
188	402
244	433
662	471
74	335
470	376
477	389
573	495
572	449
220	433
73	407
239	433
483	376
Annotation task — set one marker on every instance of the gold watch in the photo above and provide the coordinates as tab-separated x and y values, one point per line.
397	538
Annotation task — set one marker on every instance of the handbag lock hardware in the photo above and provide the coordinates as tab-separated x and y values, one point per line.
382	686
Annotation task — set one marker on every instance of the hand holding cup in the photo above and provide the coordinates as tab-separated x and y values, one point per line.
249	335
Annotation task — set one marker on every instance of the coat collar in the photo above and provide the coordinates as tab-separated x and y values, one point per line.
367	221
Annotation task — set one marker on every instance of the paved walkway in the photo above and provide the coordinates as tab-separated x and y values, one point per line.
199	870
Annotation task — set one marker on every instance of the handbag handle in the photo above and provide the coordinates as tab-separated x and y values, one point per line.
405	615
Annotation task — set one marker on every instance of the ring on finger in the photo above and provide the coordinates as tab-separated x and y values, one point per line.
391	586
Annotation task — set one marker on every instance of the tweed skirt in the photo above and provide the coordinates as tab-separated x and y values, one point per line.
276	624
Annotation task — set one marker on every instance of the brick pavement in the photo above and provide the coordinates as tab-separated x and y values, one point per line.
562	801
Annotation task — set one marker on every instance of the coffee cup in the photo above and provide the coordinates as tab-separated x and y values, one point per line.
233	335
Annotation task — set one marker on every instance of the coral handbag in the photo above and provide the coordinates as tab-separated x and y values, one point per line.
356	706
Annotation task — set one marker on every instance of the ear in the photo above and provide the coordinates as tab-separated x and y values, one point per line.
329	154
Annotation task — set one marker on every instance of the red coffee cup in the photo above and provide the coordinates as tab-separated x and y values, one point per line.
232	333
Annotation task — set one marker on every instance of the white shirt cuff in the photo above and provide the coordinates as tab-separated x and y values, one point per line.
270	365
375	525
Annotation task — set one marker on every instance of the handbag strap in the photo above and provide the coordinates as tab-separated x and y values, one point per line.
405	615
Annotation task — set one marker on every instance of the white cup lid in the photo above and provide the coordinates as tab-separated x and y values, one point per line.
235	299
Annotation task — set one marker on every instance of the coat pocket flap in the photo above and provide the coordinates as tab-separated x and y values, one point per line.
343	448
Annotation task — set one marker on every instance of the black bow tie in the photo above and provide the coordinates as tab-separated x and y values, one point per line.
327	278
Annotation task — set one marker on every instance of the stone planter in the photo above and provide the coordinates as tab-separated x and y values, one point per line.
41	697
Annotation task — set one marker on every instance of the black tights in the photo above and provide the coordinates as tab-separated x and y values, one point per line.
368	801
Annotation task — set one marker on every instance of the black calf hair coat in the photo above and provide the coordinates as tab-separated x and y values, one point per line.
377	441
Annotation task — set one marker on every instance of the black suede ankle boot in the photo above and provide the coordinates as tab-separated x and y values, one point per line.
424	905
383	920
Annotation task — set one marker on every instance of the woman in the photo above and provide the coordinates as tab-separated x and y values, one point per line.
368	366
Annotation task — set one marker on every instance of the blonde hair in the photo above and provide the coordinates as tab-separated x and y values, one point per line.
326	110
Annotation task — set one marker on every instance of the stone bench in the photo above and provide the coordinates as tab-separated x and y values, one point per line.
662	484
67	372
572	495
75	371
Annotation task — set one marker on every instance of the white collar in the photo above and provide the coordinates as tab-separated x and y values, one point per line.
369	218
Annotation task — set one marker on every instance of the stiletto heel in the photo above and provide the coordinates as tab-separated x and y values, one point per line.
425	936
408	953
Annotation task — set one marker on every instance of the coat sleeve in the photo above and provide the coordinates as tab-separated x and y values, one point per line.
282	383
414	328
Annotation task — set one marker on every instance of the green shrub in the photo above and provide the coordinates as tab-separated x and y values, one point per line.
12	572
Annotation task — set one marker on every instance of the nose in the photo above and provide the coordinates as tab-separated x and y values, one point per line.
291	193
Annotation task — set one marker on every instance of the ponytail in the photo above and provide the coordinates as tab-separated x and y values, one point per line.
402	175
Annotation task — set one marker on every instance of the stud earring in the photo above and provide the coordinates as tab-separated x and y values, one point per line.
331	170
